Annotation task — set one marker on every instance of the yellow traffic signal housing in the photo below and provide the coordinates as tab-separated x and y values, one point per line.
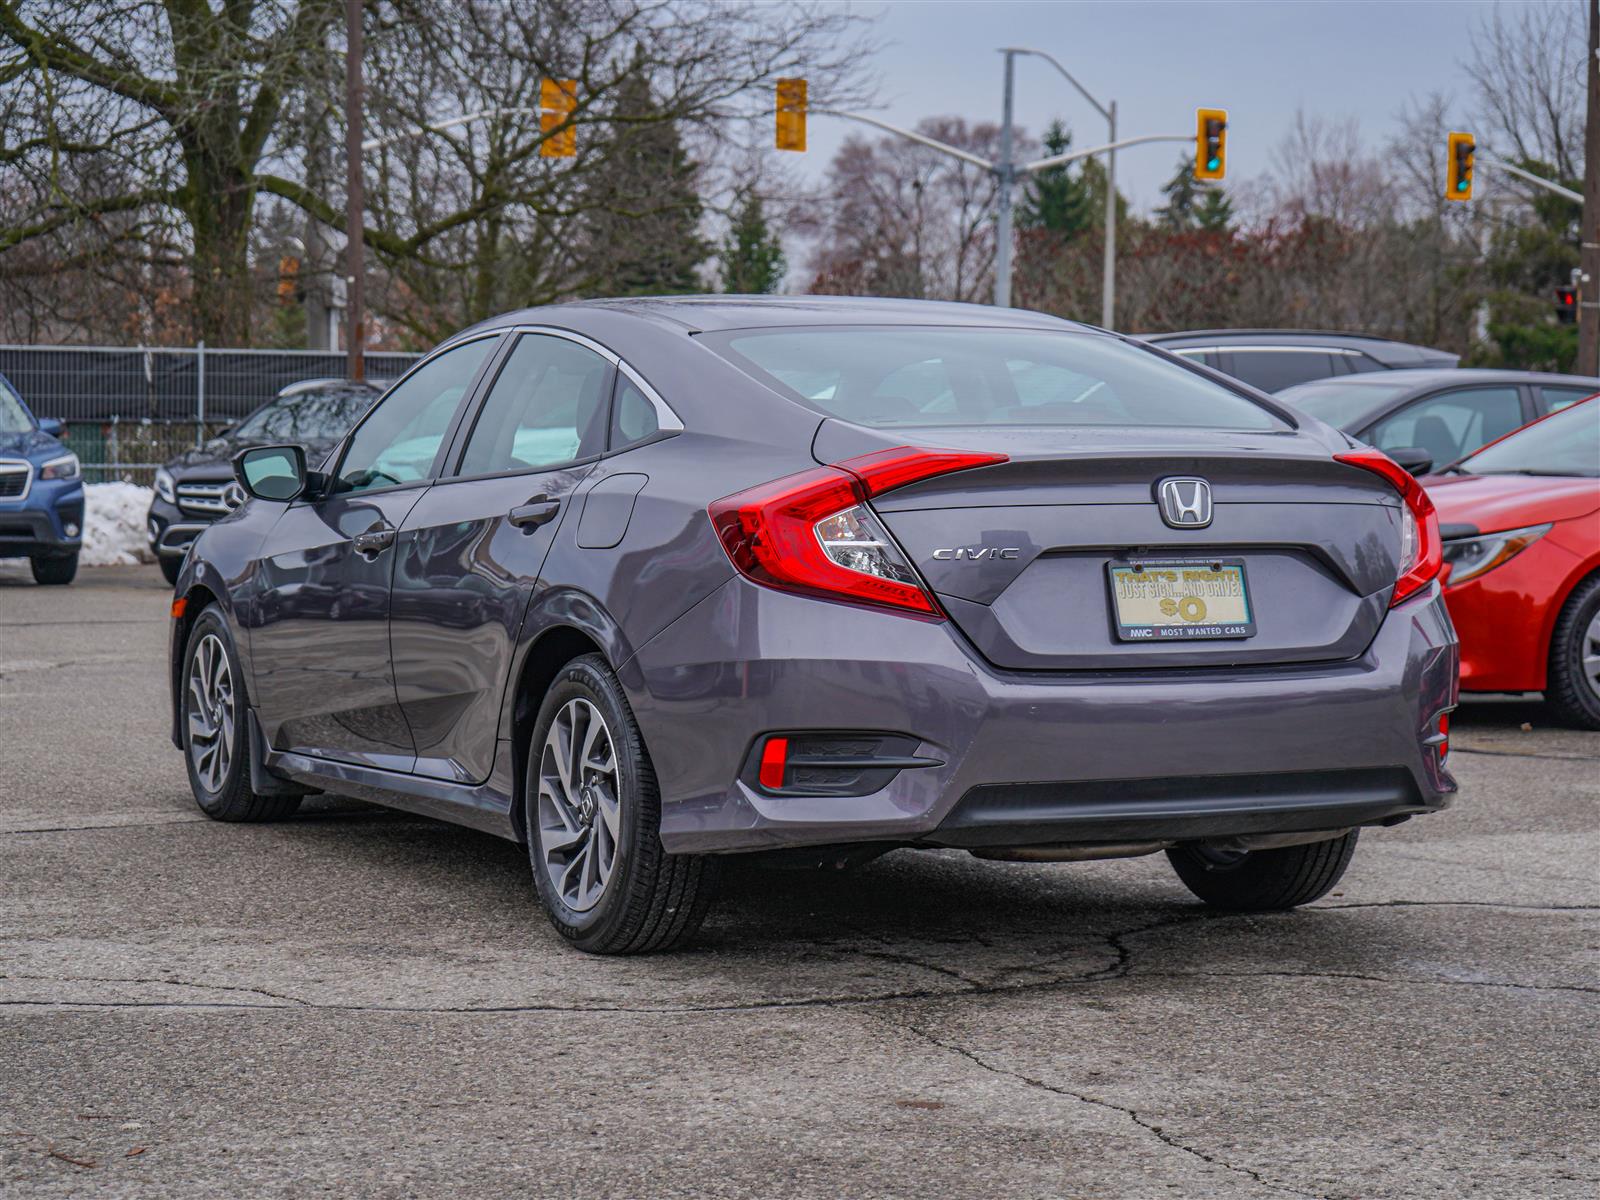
791	114
1210	143
1459	153
557	100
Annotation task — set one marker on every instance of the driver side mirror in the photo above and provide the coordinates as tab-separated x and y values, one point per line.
272	472
1413	458
53	426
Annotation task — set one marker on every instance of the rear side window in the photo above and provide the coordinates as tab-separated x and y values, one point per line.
633	417
547	407
910	377
1271	370
1557	398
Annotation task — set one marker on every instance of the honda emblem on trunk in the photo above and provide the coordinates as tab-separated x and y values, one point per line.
1185	502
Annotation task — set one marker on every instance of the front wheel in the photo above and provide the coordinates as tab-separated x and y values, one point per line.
1263	880
1573	686
216	744
54	570
593	816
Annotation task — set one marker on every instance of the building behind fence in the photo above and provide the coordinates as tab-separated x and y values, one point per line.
129	410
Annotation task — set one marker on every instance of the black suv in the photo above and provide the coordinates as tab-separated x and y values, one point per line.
1272	359
197	486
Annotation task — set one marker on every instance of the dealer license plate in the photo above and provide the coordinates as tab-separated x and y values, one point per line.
1180	599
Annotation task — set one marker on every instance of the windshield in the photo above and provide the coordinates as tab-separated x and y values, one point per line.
13	417
910	377
1565	443
1339	402
308	417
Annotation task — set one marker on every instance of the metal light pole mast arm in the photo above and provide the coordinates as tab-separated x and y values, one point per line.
920	139
1061	160
1529	176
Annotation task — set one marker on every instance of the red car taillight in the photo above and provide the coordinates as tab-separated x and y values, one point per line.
1421	551
813	533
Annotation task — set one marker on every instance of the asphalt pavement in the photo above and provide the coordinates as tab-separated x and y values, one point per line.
363	1003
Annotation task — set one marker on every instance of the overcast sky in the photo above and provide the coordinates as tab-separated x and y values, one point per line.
1159	61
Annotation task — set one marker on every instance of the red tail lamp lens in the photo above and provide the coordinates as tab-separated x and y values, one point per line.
1421	550
813	533
774	761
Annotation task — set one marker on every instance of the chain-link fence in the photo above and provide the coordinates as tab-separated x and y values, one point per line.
130	410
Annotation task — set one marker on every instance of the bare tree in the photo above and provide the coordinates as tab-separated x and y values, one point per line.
1529	68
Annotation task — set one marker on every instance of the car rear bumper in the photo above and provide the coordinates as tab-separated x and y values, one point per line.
41	523
1030	758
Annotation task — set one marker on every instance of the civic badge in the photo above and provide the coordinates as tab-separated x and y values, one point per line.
1185	502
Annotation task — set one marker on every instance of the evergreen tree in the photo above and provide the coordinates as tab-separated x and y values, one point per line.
1194	203
752	256
645	239
1214	213
1057	199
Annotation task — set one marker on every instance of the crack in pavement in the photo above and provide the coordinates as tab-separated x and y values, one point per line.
1399	980
1116	941
1525	754
1132	1114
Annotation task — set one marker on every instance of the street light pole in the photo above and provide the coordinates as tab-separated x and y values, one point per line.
1589	227
355	272
1005	170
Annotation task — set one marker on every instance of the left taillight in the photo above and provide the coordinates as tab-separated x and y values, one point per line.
1421	550
813	533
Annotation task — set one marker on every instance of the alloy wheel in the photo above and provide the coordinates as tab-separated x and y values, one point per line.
1589	654
579	808
211	712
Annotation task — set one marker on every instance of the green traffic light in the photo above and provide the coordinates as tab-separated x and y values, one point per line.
1461	185
1213	164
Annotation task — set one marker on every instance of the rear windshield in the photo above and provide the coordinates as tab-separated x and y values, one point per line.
900	377
1341	403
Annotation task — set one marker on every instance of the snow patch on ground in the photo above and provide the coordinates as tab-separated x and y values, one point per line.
114	525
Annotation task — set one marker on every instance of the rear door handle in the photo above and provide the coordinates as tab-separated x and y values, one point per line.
374	541
536	512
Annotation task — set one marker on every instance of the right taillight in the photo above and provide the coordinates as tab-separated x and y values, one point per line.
1421	551
813	533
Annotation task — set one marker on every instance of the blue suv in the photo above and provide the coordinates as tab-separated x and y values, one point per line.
41	492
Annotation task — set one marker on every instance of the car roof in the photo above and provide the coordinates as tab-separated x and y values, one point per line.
1425	378
1384	350
704	314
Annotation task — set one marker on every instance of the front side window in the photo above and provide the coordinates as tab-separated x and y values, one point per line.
400	438
547	407
1452	423
910	377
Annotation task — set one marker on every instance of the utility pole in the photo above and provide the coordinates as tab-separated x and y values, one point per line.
1005	170
355	200
1589	230
1108	284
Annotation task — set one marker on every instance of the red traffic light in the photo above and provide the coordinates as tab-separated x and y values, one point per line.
1566	305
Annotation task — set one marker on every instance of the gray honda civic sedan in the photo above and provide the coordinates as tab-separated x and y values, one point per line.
644	583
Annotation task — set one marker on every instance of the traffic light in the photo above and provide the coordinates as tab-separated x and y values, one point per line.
288	279
1567	305
1459	151
791	114
557	100
1210	143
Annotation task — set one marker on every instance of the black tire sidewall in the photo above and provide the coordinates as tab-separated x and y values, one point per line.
214	803
54	570
586	679
1568	685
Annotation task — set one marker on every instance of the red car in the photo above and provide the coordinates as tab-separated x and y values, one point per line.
1520	520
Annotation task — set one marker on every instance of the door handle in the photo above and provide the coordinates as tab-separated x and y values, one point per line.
374	541
536	512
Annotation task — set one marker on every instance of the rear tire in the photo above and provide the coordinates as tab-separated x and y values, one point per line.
217	747
592	813
1264	880
171	564
54	570
1573	682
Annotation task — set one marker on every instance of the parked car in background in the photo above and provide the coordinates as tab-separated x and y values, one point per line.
640	583
197	486
1520	521
1444	414
41	492
1273	359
